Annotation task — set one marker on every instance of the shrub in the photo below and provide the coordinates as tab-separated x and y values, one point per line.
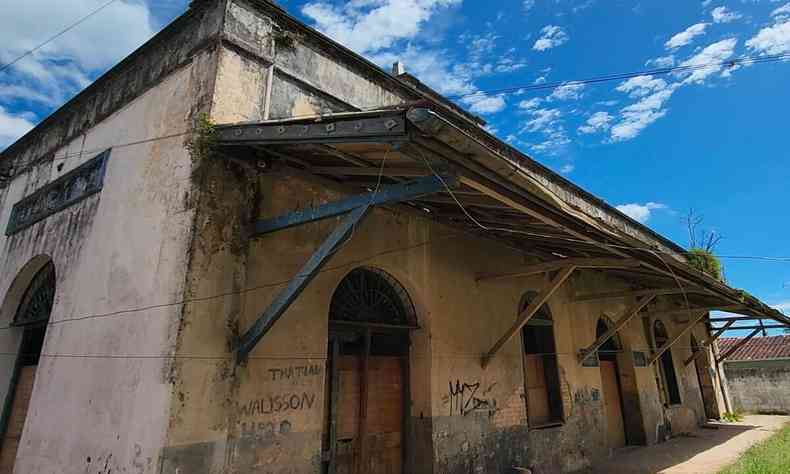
705	262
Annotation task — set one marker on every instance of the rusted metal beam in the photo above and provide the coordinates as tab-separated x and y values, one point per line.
770	326
555	265
737	346
386	194
295	287
740	318
672	342
530	311
382	128
705	345
628	315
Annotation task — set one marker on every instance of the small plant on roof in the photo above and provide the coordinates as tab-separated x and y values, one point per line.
701	245
705	262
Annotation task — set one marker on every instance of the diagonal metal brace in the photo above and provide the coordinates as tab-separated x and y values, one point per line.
386	194
299	282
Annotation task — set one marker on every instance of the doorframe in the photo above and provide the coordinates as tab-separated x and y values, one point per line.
339	330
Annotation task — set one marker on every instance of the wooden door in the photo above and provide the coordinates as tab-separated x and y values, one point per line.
16	422
538	409
707	391
615	428
369	432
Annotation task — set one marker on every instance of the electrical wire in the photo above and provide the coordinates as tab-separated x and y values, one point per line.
56	36
746	60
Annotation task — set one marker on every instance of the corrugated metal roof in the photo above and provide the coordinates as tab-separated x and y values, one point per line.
758	348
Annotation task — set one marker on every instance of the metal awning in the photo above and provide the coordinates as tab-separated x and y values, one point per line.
498	193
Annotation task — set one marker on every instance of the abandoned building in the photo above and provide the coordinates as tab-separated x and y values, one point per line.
247	249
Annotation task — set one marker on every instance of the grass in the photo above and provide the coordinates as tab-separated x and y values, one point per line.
732	417
769	457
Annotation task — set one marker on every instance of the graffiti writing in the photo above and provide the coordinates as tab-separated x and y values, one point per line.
464	398
265	429
277	404
296	372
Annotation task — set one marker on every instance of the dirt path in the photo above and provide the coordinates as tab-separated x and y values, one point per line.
705	451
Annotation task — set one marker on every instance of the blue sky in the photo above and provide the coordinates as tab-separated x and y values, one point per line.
714	139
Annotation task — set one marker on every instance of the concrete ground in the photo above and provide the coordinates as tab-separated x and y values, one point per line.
706	451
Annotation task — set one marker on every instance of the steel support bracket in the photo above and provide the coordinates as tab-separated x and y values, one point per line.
386	194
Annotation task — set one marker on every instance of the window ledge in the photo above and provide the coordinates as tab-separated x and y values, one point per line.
544	426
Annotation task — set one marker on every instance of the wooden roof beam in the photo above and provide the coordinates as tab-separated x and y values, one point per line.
555	265
616	327
707	343
634	293
530	311
680	312
737	346
407	172
677	338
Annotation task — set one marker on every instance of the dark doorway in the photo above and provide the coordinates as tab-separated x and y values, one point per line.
666	366
31	317
367	395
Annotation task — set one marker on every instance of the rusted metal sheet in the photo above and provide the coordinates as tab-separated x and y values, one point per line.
386	127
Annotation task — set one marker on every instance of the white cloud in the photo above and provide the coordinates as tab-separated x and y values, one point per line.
480	103
12	127
663	61
723	15
540	80
640	86
551	36
542	119
714	54
640	212
706	3
782	12
685	37
529	104
567	92
567	169
637	116
528	4
771	40
367	26
61	68
433	67
597	122
784	307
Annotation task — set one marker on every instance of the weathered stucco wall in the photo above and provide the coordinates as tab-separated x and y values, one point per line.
230	416
759	386
103	386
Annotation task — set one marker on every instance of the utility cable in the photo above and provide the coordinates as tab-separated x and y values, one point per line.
56	36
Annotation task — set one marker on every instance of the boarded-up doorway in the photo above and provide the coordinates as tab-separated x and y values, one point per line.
622	407
367	394
706	387
31	317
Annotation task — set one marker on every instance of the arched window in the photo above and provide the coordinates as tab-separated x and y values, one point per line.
369	295
31	316
541	371
610	349
666	366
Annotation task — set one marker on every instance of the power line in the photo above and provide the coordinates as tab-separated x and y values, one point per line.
56	36
746	60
